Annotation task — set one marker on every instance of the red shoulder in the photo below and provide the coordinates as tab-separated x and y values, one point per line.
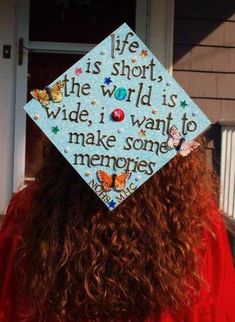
10	236
218	297
18	209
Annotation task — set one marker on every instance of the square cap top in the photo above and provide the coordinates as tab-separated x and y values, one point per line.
117	116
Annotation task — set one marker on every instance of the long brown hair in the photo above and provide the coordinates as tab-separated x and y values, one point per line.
84	261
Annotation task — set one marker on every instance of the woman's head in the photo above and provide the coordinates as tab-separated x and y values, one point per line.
84	260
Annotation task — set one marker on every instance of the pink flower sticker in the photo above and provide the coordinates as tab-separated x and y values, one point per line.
78	71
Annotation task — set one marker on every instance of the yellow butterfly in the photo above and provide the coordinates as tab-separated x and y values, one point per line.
44	96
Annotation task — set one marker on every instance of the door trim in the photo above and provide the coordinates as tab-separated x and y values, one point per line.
161	31
22	31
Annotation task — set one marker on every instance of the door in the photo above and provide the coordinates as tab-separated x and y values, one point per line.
51	37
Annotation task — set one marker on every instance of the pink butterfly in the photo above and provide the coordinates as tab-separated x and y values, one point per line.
179	143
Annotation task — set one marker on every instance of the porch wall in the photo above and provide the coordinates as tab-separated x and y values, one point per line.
204	61
204	54
204	64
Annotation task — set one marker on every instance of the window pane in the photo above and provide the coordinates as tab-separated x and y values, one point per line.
42	70
80	21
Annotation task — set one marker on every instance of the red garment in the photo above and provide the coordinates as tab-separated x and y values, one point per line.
218	305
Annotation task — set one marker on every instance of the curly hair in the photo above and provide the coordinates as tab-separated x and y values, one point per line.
78	260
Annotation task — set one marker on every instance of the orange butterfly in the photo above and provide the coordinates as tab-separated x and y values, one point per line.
114	181
44	96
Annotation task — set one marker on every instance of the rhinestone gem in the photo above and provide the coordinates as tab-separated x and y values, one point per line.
118	115
36	117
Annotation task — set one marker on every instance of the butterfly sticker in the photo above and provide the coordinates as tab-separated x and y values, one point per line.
179	143
44	96
114	181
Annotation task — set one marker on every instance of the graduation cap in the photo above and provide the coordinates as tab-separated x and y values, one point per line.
117	116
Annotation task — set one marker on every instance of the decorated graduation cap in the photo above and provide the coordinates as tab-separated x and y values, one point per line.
117	116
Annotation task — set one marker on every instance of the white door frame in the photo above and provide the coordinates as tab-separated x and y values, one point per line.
22	31
154	25
161	31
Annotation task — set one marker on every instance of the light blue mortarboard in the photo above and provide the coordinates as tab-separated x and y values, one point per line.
117	116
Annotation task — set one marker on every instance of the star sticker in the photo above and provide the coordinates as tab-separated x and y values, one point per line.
55	129
144	53
78	71
112	204
142	132
183	104
107	80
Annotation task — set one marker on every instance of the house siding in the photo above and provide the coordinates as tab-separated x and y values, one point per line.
204	55
204	65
